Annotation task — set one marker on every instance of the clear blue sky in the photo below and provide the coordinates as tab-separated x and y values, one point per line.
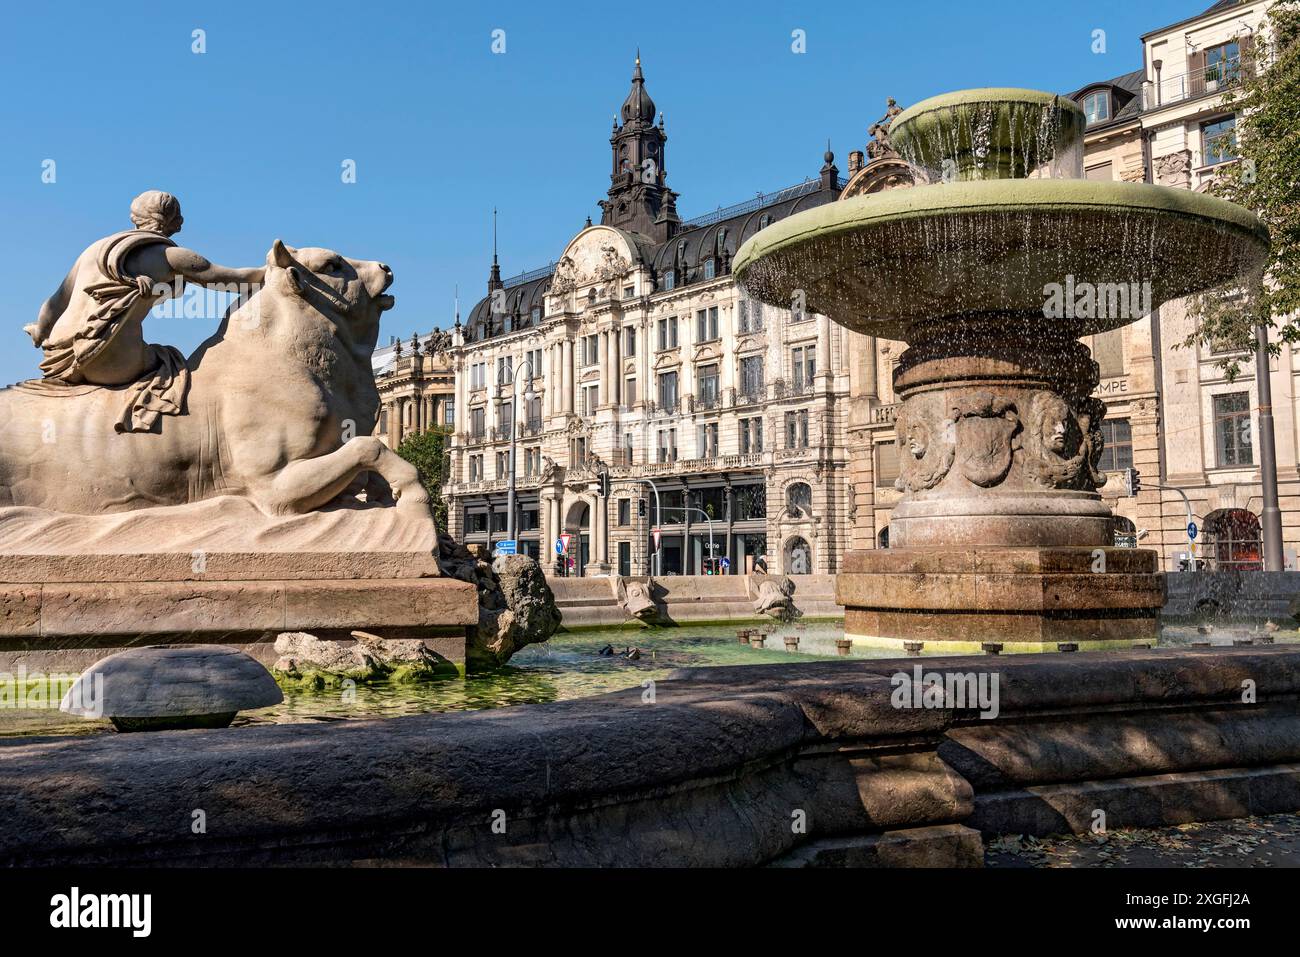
251	135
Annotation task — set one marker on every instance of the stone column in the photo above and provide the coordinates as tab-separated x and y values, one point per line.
616	366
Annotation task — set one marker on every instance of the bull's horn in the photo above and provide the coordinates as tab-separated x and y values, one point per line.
279	255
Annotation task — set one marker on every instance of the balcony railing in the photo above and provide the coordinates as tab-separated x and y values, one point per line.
1185	86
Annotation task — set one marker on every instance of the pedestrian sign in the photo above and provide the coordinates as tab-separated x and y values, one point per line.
1192	531
507	547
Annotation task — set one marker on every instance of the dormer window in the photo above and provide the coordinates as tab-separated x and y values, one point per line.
670	279
1096	106
709	268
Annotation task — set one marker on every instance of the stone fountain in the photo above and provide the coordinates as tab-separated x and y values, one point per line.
990	273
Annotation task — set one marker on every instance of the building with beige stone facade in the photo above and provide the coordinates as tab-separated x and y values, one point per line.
648	363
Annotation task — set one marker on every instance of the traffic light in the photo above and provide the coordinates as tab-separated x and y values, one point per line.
603	479
1132	482
640	508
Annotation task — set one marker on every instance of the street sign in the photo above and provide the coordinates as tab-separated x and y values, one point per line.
507	547
559	547
562	543
655	536
724	562
1192	531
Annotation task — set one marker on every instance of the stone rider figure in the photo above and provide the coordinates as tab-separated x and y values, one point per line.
91	329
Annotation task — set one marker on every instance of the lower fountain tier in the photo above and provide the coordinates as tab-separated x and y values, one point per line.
958	599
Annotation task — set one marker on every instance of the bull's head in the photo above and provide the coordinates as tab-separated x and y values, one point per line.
352	289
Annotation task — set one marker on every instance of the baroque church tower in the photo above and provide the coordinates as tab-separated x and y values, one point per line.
639	200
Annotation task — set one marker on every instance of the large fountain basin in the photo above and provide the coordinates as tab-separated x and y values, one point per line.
881	262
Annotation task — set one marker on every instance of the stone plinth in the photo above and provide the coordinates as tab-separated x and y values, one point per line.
1028	599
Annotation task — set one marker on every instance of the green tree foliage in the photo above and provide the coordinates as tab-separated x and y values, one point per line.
427	451
1266	180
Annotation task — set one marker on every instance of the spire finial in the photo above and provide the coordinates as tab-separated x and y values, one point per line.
494	234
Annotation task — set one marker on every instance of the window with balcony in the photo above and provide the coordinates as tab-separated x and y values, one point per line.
751	435
1233	433
503	465
476	468
1219	141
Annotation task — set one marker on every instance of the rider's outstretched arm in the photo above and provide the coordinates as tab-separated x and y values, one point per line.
198	270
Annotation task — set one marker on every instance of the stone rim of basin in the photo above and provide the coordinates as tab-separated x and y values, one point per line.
877	274
156	687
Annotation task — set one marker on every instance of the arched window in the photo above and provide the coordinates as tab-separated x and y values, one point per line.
882	539
798	557
798	500
1232	540
709	268
670	279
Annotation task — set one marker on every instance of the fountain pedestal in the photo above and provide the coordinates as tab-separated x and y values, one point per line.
1000	534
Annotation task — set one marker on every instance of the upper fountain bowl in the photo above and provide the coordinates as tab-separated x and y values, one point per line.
991	133
881	263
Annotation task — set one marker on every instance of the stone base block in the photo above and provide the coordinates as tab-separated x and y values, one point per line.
1025	599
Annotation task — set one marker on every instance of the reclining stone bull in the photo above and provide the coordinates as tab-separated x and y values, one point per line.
278	409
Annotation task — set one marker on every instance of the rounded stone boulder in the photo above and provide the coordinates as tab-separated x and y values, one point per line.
167	687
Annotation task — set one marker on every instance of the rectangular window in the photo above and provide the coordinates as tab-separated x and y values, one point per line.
498	521
505	369
628	448
478	422
708	394
476	522
709	268
796	429
1117	453
751	435
535	360
803	366
751	376
1233	438
629	391
478	375
1108	350
505	417
1219	141
1222	64
624	511
886	464
1102	171
629	341
449	411
528	520
590	399
667	329
625	558
670	279
707	439
706	324
629	292
667	445
503	464
668	391
589	350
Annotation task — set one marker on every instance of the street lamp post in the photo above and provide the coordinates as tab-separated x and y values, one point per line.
1271	515
529	395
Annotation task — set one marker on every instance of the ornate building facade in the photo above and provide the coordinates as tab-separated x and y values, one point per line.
638	356
417	386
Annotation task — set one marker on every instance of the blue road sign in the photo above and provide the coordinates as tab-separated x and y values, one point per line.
507	547
559	546
1192	530
724	562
